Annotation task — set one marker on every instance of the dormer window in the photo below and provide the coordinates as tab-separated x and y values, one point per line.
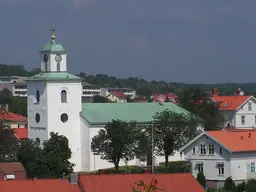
202	149
250	106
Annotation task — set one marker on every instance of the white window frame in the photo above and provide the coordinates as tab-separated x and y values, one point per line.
243	119
211	149
202	149
200	168
249	106
221	169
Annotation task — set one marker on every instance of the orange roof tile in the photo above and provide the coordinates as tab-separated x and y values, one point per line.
230	102
124	183
40	185
21	133
9	116
237	141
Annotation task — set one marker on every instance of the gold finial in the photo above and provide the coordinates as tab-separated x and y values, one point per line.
53	32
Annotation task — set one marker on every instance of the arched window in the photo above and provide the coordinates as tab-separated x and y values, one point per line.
37	141
63	96
45	67
37	96
58	67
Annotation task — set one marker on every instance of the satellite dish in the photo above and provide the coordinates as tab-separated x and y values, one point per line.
241	93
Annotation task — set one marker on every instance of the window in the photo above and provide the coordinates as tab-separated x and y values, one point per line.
249	106
242	119
253	167
63	96
45	66
220	150
58	67
202	149
37	118
200	168
37	141
211	149
194	151
64	117
221	168
37	96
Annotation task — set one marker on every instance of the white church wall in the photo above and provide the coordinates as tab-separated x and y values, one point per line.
72	128
85	146
37	129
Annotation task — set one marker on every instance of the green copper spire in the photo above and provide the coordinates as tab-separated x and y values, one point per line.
53	46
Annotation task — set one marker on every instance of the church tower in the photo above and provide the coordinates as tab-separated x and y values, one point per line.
54	100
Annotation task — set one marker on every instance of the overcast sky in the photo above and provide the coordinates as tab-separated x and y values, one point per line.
174	40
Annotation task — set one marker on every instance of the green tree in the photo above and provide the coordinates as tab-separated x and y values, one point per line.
251	185
229	184
116	142
5	96
8	143
172	130
30	155
201	179
19	105
56	154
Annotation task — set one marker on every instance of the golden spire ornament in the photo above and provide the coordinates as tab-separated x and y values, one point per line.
53	32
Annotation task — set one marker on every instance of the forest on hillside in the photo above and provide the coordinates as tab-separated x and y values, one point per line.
143	87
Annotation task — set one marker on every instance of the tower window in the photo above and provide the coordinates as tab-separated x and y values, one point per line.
37	96
45	67
64	117
37	141
63	96
37	118
58	67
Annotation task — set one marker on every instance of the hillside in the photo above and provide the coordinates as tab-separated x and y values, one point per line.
142	86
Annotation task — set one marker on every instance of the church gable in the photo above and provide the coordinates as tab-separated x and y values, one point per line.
102	113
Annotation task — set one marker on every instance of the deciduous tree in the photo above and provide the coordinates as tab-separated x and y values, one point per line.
116	142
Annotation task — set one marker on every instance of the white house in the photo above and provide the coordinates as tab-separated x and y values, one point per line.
239	110
54	105
221	154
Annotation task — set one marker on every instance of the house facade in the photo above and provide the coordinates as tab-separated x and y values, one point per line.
238	110
222	154
117	96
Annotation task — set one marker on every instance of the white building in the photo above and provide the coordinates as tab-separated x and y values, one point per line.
222	154
129	92
239	110
15	84
54	105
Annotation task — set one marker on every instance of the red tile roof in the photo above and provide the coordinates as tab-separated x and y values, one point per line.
141	101
230	102
178	182
236	141
21	133
39	185
11	167
119	94
9	116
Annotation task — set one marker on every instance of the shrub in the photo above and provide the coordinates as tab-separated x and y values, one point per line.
229	184
201	178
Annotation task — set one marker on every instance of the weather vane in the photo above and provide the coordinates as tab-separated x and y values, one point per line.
53	32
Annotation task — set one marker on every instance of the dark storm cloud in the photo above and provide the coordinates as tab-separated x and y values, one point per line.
188	41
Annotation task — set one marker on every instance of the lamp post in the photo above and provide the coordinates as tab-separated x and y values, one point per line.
152	140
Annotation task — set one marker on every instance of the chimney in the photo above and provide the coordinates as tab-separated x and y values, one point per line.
238	91
215	92
250	135
73	178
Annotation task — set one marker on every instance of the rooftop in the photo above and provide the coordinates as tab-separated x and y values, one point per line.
230	102
39	185
119	94
102	113
21	133
53	76
9	116
11	167
178	182
237	141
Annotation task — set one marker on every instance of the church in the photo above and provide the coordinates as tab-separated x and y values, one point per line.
54	105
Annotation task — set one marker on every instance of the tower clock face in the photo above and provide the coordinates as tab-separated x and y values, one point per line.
45	58
58	58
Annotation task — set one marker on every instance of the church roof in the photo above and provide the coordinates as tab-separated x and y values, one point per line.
102	113
53	76
53	47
